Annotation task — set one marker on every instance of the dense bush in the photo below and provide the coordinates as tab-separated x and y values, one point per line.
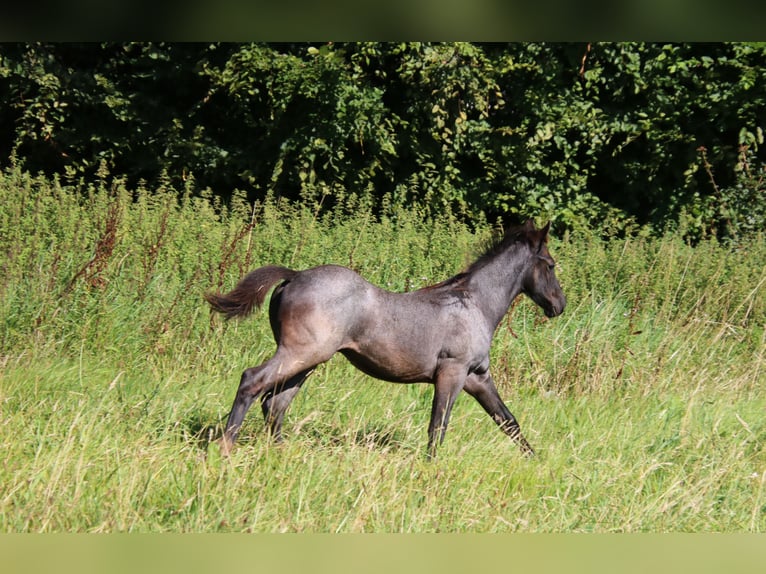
612	136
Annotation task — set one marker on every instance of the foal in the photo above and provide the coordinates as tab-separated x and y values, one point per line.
440	334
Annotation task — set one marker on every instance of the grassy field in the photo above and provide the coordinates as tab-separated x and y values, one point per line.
644	400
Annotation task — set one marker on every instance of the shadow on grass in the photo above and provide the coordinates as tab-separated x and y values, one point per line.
369	436
198	430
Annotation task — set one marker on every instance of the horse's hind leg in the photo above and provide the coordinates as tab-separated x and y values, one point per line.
482	388
255	382
274	404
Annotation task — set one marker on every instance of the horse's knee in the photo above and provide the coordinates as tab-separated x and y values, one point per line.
249	375
252	383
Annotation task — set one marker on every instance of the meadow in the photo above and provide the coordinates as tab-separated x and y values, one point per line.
644	400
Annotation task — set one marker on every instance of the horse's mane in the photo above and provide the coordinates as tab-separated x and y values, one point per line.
498	243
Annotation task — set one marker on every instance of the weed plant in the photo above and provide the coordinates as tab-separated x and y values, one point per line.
644	400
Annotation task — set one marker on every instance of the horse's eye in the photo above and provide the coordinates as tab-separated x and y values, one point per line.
550	263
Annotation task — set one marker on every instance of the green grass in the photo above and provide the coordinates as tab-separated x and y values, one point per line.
644	400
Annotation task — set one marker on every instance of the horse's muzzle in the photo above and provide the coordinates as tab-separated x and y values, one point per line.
555	308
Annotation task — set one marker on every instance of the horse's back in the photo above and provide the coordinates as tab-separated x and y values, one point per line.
331	294
328	283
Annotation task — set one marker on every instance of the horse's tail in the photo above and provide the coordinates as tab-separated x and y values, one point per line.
250	292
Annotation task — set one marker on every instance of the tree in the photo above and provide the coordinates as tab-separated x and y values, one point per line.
611	135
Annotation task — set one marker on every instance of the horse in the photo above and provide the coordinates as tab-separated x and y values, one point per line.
439	334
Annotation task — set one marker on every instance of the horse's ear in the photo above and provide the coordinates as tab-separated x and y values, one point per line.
529	225
542	236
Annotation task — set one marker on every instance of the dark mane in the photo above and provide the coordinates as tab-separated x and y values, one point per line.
498	244
456	285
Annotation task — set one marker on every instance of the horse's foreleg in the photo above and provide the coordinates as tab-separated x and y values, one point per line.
274	404
482	388
449	382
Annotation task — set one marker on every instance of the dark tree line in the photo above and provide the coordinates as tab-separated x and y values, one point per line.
602	134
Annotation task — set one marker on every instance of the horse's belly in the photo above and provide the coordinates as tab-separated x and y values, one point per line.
396	367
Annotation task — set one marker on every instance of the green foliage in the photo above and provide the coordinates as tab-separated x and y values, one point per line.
319	125
601	135
662	104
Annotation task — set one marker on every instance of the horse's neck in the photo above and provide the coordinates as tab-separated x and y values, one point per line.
497	283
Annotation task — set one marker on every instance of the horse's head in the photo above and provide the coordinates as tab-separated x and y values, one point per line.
540	281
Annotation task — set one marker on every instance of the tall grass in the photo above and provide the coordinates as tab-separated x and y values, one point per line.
644	400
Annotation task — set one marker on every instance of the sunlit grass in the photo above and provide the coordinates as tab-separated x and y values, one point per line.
644	400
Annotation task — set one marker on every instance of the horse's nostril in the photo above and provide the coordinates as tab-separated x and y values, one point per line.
553	312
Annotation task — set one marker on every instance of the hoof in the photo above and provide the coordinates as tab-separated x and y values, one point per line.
225	446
